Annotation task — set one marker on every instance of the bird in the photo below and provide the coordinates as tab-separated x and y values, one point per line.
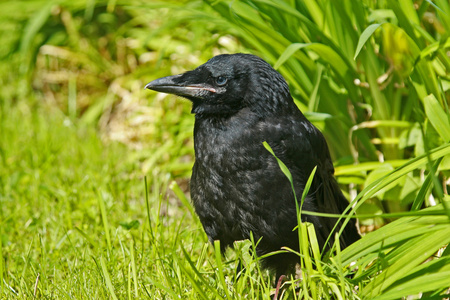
237	187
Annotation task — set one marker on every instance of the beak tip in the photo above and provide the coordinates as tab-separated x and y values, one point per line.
148	86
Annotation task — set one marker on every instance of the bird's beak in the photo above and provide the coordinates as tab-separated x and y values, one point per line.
177	86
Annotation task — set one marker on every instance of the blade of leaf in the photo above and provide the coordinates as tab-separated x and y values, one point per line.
290	50
218	256
107	278
34	25
434	5
430	282
283	167
402	265
437	116
367	33
418	201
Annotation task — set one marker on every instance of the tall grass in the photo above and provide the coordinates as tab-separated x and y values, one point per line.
93	170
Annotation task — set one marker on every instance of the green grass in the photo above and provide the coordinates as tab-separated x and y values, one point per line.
94	170
53	177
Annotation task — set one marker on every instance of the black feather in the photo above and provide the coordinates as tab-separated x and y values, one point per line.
237	187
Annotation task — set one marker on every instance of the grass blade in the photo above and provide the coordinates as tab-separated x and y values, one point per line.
367	33
218	256
101	203
133	269
107	278
420	198
418	254
437	117
290	50
33	26
196	283
181	195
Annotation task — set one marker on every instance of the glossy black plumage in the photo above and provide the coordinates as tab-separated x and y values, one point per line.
237	187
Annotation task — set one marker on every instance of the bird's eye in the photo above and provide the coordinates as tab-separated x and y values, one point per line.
221	80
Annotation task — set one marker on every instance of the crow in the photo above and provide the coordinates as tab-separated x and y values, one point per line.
237	187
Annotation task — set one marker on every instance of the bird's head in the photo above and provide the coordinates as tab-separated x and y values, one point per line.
228	83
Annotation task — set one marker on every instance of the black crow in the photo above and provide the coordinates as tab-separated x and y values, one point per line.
237	187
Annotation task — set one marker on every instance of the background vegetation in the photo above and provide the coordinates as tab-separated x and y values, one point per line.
94	170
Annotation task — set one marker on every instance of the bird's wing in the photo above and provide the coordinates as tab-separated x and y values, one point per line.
302	149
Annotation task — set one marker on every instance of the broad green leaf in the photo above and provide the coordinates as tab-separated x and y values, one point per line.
402	229
417	254
399	49
427	283
314	98
325	53
381	183
432	48
426	185
381	171
366	166
367	33
315	12
421	279
290	50
330	56
437	117
407	7
445	165
413	164
314	245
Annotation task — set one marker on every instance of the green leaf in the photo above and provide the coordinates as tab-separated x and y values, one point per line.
290	50
199	284
381	171
101	202
33	26
130	225
182	197
437	116
330	56
418	252
429	276
107	278
283	167
366	166
426	185
218	256
367	33
411	165
434	5
325	52
432	48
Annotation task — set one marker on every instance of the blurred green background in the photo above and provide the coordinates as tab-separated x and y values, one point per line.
94	169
